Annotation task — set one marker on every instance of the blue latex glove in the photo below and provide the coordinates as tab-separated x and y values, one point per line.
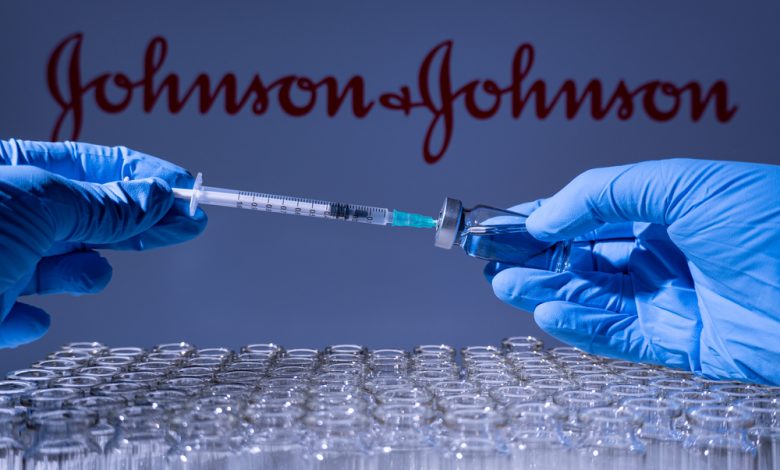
59	202
676	262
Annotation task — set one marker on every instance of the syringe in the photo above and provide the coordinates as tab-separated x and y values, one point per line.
483	232
275	203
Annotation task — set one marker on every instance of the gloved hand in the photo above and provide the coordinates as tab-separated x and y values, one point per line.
59	202
675	262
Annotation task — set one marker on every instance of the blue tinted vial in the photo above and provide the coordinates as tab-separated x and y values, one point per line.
498	235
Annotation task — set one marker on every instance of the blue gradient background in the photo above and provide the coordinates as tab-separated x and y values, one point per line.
299	282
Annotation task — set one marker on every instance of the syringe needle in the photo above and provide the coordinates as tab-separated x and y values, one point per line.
408	219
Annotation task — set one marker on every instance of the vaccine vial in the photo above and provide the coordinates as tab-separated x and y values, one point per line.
498	235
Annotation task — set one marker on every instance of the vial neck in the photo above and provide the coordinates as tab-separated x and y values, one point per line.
540	424
612	428
472	429
8	428
410	430
719	428
60	429
659	426
338	429
141	429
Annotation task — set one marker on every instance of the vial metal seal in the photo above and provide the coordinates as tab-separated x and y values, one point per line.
450	219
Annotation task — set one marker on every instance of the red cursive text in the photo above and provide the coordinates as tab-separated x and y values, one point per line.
434	92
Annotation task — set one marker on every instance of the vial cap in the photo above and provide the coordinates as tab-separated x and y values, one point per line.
448	224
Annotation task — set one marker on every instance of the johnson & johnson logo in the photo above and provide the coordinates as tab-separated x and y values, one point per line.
434	93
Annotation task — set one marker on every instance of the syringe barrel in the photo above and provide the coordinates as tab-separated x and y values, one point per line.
286	205
211	196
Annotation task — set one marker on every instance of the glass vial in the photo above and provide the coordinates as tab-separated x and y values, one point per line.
662	441
610	440
475	439
403	439
718	439
339	440
11	448
276	438
536	439
140	439
497	235
62	441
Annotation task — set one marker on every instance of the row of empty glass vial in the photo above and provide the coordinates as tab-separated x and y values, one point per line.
516	406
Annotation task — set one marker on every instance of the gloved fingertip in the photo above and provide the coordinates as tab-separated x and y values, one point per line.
490	271
507	284
155	187
23	324
593	330
548	315
181	210
559	320
152	196
95	274
523	288
526	208
540	227
182	226
201	219
176	226
82	272
158	187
